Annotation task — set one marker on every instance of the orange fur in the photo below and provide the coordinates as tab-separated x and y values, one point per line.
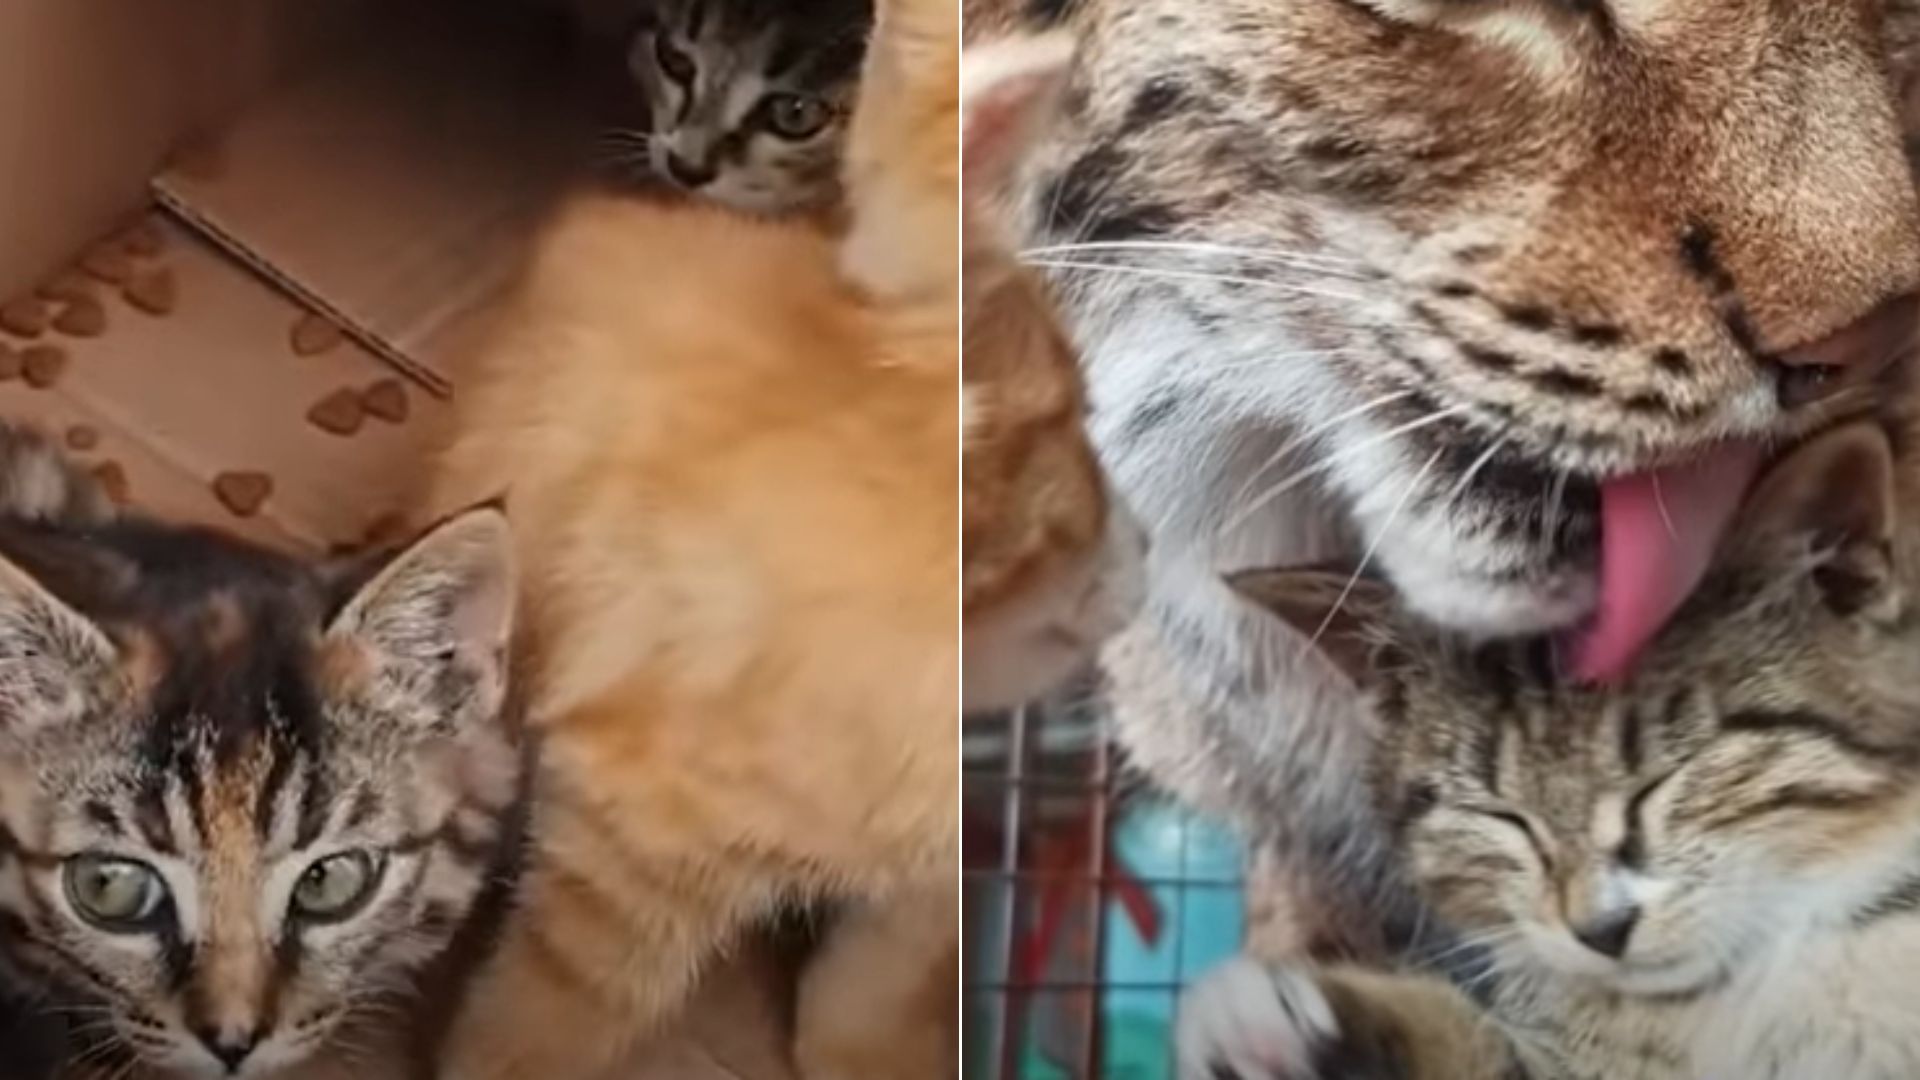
732	474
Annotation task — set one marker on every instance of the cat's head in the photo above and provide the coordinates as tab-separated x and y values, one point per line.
1052	558
242	800
1760	771
1515	247
750	98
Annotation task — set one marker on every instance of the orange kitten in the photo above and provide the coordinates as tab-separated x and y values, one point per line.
733	481
1051	559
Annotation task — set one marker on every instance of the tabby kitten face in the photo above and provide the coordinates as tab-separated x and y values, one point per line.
749	98
239	802
1760	773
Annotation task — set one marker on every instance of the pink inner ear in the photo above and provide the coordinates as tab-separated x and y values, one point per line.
1005	89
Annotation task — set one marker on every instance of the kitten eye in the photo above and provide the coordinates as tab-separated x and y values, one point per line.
1520	822
336	887
121	896
795	116
678	65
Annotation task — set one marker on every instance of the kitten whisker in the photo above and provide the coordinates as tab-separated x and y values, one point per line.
1311	433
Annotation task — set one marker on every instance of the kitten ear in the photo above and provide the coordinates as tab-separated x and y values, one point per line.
1838	489
1008	92
51	657
434	625
1341	613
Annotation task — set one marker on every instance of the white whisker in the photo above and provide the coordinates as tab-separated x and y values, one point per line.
1660	503
1318	263
1373	546
1459	489
1313	433
1194	275
1324	464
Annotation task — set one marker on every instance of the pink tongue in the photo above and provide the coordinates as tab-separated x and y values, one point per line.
1657	532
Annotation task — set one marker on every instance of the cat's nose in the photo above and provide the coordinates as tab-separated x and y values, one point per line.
690	174
1607	932
1854	355
230	1045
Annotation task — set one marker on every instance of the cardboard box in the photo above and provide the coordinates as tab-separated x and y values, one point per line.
262	231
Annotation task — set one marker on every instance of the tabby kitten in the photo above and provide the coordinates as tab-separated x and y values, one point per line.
1711	871
749	98
244	801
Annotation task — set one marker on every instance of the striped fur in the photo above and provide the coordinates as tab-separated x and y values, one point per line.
1735	832
228	717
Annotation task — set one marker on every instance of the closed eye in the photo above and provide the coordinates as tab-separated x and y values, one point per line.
1517	821
1632	852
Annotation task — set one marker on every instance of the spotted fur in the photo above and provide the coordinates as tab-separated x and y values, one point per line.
718	75
1707	872
227	719
1406	278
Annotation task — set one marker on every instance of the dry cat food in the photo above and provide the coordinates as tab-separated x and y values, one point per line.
108	263
66	285
10	362
84	317
26	317
386	399
243	492
42	365
154	292
113	479
338	413
315	334
83	437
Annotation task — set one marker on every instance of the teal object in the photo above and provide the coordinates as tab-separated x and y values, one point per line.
1193	868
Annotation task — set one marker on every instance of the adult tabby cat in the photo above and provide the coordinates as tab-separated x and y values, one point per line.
749	99
1459	287
734	490
1709	872
246	803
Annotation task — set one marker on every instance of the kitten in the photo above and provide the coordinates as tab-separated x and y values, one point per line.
749	98
244	801
1051	558
735	498
1711	871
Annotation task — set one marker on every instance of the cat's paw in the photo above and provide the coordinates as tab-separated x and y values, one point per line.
1247	1021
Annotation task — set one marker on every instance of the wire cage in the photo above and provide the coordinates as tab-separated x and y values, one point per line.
1089	901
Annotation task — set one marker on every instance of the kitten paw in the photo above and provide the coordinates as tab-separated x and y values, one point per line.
1246	1021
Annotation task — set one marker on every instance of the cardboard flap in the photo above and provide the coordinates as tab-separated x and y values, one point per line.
397	188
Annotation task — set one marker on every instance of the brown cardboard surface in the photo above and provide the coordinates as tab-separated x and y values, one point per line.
215	387
397	188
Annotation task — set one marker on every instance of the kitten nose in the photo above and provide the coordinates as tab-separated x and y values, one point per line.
231	1047
1854	355
1607	932
690	174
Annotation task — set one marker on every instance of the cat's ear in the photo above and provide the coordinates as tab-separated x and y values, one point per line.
1836	489
429	633
53	660
1009	90
1342	613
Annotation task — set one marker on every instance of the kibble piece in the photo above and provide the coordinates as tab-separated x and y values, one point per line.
67	285
42	365
243	492
82	318
113	479
108	263
386	399
144	239
339	413
10	363
315	334
154	292
26	317
83	437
